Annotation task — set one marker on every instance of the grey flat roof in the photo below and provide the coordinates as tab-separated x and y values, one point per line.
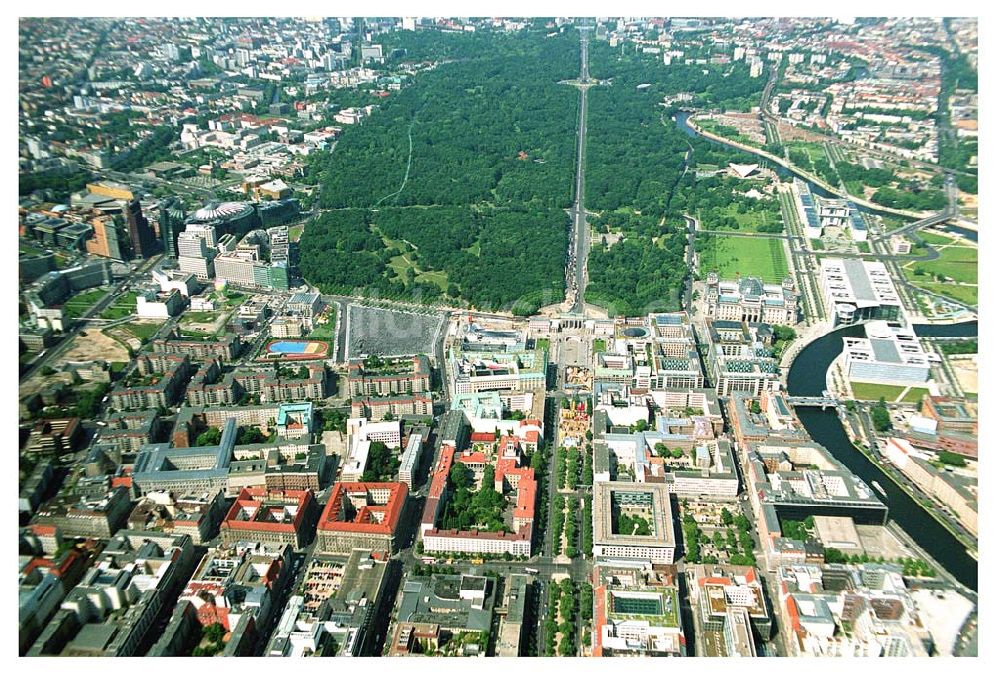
857	276
885	351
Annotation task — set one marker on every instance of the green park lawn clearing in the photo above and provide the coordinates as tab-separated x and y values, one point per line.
143	330
600	345
123	306
762	257
866	391
960	263
403	262
199	317
230	298
965	294
934	238
295	232
434	277
915	395
748	221
81	302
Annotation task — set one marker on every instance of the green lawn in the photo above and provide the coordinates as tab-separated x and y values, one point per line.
600	345
78	304
966	294
959	263
144	331
295	232
401	263
230	298
762	257
915	395
199	317
123	306
934	238
865	391
434	277
748	221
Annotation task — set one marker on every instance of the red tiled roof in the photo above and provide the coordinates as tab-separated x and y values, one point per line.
254	498
472	458
329	522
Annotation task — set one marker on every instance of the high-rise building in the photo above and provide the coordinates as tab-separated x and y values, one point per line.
171	224
279	244
194	254
139	231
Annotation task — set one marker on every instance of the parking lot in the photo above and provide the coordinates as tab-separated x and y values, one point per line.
386	332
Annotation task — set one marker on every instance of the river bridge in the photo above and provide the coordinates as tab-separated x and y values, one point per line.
823	402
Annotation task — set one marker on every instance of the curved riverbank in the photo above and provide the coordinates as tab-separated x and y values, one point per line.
807	377
683	121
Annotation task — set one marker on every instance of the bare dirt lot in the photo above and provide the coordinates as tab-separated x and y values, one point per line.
967	373
92	346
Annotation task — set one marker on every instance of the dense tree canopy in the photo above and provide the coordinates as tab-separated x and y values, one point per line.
493	127
475	211
634	277
636	173
466	509
493	257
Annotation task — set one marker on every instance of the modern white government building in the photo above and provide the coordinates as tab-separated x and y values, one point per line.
817	213
889	353
858	290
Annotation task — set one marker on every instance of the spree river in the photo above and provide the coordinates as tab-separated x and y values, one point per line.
807	377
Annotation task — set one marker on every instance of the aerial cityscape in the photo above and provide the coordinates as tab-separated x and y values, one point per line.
498	337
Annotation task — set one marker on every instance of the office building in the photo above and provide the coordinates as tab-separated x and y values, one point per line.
636	611
858	290
170	220
648	502
139	231
740	358
115	606
110	238
196	515
890	353
362	515
160	467
729	602
269	516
